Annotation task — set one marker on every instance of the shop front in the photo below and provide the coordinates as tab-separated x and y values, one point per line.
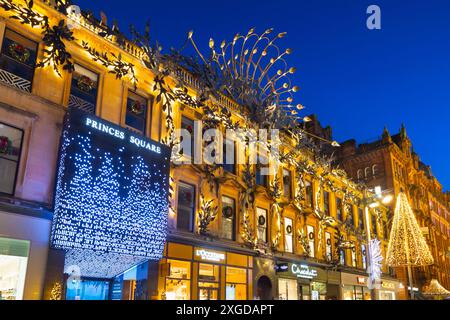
300	281
354	287
190	272
388	290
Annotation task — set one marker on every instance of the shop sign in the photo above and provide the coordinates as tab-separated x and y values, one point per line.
303	271
210	255
388	285
282	267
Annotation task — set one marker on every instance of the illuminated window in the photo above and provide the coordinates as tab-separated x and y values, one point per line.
329	248
350	215
288	239
364	256
208	282
312	240
309	193
137	112
17	60
229	156
88	290
287	289
84	89
354	259
262	172
186	207
287	183
178	284
339	209
262	224
236	288
13	268
10	149
228	218
342	259
188	146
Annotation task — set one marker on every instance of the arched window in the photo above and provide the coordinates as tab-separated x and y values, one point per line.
367	172
360	174
374	170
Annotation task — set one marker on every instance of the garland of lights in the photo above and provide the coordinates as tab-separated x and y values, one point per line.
407	246
206	215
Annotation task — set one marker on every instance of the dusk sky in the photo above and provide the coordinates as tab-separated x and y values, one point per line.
356	80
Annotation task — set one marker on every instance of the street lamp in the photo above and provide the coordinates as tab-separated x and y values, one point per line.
373	200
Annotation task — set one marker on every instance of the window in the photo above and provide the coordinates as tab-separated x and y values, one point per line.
342	257
178	284
208	281
350	215
137	112
367	172
329	252
309	193
288	231
326	202
360	174
287	289
10	149
353	253
236	288
188	146
17	60
186	207
312	240
374	224
262	169
287	183
262	224
13	268
83	89
339	209
360	219
364	256
229	156
228	218
374	170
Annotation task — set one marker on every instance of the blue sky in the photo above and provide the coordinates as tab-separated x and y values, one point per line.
354	79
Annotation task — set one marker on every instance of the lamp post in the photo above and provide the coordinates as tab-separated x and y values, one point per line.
373	201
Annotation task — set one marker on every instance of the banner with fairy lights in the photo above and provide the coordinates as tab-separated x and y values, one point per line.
111	191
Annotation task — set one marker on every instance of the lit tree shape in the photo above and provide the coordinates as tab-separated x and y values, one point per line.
407	246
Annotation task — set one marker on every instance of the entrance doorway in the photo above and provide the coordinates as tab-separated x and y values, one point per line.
264	288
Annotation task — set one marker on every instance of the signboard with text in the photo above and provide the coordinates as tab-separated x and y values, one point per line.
111	189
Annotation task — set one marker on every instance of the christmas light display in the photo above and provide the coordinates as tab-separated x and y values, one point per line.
435	289
111	192
407	246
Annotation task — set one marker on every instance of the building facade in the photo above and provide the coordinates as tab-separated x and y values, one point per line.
233	232
391	162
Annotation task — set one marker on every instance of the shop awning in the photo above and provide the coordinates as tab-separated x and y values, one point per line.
435	289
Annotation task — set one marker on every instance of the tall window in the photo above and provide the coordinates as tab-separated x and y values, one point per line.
208	281
311	240
329	248
375	170
84	89
350	215
360	174
309	193
188	146
287	183
342	259
17	60
374	224
228	218
236	284
364	256
262	224
339	209
178	285
326	202
10	149
186	207
262	172
288	232
229	156
137	112
354	259
360	219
